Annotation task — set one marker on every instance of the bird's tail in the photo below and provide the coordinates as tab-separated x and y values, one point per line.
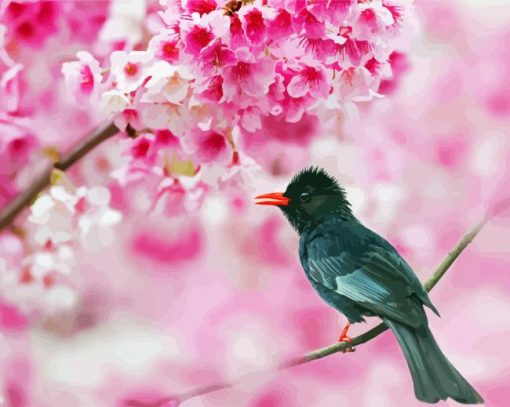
434	377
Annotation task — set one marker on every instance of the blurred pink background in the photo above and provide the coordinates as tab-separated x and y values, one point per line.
176	303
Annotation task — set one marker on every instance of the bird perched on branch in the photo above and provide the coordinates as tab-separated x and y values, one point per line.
360	274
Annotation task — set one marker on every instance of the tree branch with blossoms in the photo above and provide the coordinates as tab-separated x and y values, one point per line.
96	137
436	276
218	70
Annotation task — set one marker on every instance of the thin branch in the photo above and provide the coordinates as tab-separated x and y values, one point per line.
25	198
452	256
329	350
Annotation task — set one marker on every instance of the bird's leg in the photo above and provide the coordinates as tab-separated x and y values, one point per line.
344	338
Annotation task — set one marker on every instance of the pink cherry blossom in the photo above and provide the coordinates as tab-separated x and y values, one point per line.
210	89
216	56
196	38
208	146
129	70
312	26
351	50
83	75
165	46
114	101
356	84
309	79
254	24
248	76
237	36
292	107
140	149
166	83
280	25
373	18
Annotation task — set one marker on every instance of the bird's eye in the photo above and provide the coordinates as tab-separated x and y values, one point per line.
305	197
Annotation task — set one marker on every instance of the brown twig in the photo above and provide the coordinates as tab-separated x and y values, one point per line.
92	140
337	347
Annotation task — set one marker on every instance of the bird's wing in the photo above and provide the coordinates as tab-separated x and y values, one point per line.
373	278
385	253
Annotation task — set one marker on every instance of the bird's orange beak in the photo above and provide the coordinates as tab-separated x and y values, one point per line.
273	198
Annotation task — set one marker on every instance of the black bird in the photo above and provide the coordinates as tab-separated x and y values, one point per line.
360	274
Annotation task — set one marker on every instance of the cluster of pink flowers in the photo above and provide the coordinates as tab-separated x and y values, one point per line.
31	35
208	90
221	78
60	222
37	259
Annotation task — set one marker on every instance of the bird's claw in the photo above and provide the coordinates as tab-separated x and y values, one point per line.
349	347
344	338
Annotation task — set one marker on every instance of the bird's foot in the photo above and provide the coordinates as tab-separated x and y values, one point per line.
344	338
